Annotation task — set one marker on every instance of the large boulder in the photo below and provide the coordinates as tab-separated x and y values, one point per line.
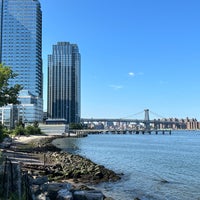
54	188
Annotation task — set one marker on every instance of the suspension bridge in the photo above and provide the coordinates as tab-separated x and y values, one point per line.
148	125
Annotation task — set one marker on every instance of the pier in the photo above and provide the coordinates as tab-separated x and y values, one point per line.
61	130
85	132
76	133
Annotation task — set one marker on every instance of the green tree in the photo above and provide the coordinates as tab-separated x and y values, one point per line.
75	126
8	94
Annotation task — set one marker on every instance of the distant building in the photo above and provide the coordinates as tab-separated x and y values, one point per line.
21	49
64	100
8	115
192	124
29	108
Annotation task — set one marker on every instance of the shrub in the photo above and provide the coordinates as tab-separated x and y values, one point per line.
76	126
19	130
2	136
32	130
3	133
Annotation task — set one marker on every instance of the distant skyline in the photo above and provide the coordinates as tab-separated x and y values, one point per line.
134	54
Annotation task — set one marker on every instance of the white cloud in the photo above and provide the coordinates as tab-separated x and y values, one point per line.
131	74
116	87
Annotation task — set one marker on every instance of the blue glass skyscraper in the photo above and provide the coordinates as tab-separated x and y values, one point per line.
64	65
21	49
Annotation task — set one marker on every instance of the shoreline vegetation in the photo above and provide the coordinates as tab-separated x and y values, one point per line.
59	173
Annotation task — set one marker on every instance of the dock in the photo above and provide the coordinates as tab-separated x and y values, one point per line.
85	132
61	130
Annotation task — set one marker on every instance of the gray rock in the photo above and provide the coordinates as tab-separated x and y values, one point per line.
88	195
41	197
6	143
64	194
40	180
7	139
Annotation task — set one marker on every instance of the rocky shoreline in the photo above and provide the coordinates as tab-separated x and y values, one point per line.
61	171
61	165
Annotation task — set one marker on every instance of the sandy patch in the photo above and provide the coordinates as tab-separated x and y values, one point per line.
31	138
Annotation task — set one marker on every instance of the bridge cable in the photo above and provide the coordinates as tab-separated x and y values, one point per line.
141	112
157	115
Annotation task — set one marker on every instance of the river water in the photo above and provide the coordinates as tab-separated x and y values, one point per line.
155	167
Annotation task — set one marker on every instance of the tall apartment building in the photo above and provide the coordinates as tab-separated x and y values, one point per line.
64	83
21	49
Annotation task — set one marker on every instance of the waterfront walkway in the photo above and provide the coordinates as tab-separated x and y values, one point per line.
83	133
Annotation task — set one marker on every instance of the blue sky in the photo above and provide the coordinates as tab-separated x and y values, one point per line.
135	54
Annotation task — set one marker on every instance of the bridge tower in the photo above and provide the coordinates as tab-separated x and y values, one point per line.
147	120
146	117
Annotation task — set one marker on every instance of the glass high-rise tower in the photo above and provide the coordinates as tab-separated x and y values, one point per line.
64	83
21	49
